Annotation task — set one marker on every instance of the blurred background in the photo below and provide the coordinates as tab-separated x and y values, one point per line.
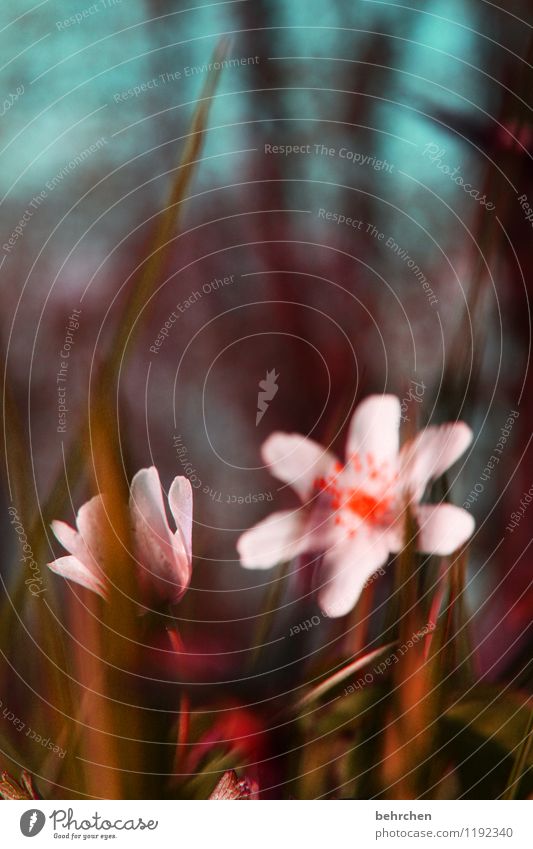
357	220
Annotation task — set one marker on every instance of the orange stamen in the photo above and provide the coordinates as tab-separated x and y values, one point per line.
369	508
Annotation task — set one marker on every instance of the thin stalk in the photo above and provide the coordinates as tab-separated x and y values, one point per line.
520	764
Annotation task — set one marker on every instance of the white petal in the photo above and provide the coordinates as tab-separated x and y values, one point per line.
74	570
164	564
87	543
396	534
93	526
276	539
71	540
443	528
146	499
346	568
180	502
375	429
430	454
296	460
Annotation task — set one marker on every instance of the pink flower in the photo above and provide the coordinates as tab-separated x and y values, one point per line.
355	514
163	556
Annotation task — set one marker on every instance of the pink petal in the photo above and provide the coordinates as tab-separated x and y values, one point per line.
276	539
164	564
74	570
430	454
296	460
395	533
86	544
180	502
93	526
443	528
71	540
347	567
375	429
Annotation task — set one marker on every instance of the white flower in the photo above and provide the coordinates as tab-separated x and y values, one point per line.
355	514
163	557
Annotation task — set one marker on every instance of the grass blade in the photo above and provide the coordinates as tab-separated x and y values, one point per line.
357	664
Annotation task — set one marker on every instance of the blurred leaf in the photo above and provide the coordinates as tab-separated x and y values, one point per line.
267	616
503	717
337	678
345	712
339	745
484	736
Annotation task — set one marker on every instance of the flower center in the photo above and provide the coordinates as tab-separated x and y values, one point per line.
348	499
369	508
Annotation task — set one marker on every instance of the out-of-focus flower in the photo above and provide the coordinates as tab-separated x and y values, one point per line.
11	789
163	556
237	735
515	137
355	514
236	731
